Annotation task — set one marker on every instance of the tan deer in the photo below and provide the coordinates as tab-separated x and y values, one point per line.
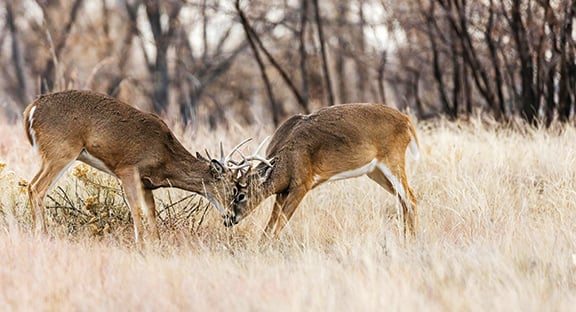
338	142
136	147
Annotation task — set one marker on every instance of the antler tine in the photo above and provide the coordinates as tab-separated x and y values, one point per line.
261	145
222	153
233	165
207	154
240	166
244	160
268	162
237	165
255	155
227	158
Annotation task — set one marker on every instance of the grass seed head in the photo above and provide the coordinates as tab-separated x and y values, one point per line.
80	171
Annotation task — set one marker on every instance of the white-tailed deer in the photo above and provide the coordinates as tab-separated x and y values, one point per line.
337	142
136	147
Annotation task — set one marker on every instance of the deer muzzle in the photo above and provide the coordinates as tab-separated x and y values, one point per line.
230	220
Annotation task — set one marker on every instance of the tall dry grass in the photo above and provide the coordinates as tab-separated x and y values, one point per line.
497	232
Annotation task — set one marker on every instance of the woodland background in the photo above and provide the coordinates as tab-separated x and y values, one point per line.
210	62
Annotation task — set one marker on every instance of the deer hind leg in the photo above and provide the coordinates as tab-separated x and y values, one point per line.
409	204
378	177
394	181
52	168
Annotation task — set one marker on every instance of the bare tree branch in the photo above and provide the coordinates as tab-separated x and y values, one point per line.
273	105
327	79
275	64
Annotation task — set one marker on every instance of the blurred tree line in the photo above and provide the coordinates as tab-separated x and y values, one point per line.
212	61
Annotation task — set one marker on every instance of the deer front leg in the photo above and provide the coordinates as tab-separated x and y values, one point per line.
278	203
293	199
150	213
134	191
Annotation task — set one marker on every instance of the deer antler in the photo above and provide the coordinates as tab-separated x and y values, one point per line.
207	154
234	165
227	158
227	162
255	155
231	164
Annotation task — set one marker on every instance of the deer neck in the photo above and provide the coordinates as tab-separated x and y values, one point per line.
192	174
189	173
263	186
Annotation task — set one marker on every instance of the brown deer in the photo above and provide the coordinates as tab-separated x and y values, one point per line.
338	142
136	147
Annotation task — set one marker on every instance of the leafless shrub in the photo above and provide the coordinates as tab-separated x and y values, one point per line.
93	204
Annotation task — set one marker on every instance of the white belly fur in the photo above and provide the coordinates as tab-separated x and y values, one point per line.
94	162
369	167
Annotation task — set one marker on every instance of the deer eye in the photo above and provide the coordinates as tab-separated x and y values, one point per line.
241	198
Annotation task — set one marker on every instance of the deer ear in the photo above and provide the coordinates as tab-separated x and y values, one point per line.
216	169
148	183
201	157
264	174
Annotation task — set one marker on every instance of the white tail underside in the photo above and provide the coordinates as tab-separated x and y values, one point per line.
31	130
414	148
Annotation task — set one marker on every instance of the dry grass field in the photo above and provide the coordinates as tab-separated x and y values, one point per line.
497	232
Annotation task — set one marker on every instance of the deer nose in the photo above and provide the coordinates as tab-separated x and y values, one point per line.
229	220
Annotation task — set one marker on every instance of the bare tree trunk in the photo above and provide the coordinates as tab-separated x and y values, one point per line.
416	90
340	60
48	76
302	50
163	40
105	19
205	48
471	57
456	78
495	62
511	83
327	79
529	109
549	94
361	70
381	82
123	52
186	88
566	92
467	88
438	72
21	87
